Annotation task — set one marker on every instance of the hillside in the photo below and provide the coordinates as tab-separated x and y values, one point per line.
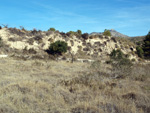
94	46
32	81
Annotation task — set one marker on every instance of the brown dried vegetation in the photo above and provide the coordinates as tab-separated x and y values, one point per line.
45	86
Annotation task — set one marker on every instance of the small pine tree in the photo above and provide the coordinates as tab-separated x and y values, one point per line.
79	32
107	32
146	46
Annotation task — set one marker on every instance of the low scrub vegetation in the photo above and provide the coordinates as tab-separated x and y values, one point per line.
49	87
57	48
36	84
121	65
17	31
140	51
52	29
78	33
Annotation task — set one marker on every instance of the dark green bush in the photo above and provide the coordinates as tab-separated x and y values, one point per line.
119	57
146	46
140	51
85	36
58	47
1	42
117	54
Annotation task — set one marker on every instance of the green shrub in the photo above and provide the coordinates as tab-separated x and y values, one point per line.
117	54
71	33
58	47
1	42
78	33
52	29
107	32
0	27
140	51
146	46
119	57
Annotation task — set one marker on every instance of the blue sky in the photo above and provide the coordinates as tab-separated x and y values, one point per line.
130	17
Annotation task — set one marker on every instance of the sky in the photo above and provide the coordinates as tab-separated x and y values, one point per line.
130	17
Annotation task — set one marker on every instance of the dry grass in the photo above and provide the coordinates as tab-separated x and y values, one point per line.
38	86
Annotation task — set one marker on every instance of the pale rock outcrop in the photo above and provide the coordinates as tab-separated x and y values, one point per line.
97	46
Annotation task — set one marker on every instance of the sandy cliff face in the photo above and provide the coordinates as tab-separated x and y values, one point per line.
95	47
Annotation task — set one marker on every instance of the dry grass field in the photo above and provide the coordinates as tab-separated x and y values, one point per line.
40	86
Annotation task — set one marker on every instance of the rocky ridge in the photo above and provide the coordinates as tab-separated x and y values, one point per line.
113	32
